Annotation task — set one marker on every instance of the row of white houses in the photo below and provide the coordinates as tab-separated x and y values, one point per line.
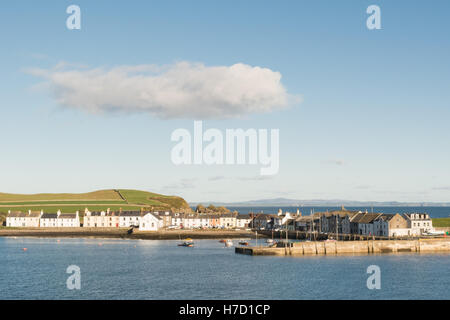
146	221
35	219
150	221
340	221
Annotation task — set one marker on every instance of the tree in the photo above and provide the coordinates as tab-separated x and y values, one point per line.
200	209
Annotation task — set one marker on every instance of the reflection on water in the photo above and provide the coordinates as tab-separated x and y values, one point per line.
150	269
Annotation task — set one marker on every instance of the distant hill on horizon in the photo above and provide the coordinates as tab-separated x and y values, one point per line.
285	202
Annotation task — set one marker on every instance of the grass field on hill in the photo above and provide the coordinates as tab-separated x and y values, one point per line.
96	195
441	222
95	201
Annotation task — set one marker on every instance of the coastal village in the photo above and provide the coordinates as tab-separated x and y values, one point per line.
338	222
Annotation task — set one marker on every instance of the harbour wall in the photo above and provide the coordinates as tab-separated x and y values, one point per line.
350	247
123	233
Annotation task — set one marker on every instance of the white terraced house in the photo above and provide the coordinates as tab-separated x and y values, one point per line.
150	222
191	221
19	219
103	219
166	217
48	220
68	220
227	221
243	220
60	220
129	219
177	220
419	223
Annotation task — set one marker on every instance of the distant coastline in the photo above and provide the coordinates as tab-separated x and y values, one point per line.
284	202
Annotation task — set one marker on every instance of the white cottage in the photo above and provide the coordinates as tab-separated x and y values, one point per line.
60	220
150	222
177	220
19	219
48	220
227	221
102	219
192	221
243	220
68	220
129	219
419	223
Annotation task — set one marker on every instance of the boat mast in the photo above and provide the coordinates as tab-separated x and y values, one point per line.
337	229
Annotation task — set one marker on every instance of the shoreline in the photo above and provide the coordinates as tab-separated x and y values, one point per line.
122	233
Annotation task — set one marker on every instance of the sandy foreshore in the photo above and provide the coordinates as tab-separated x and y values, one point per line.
123	233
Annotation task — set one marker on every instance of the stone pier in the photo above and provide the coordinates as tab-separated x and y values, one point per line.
349	247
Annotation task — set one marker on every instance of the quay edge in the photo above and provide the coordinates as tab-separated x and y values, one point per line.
350	247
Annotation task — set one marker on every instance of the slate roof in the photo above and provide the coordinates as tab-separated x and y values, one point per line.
408	216
35	214
163	213
67	216
369	217
17	214
154	215
130	214
357	218
49	216
386	216
98	214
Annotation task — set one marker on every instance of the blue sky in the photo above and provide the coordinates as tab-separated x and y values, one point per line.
372	124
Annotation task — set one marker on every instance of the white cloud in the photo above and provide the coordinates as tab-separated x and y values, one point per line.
182	184
181	90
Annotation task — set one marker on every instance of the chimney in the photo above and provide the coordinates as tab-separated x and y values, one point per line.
298	212
42	212
78	214
108	210
58	213
280	212
29	212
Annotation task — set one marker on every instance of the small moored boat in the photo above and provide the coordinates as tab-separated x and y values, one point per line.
243	243
228	243
187	243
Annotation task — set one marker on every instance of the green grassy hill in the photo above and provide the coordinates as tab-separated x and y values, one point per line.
95	201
